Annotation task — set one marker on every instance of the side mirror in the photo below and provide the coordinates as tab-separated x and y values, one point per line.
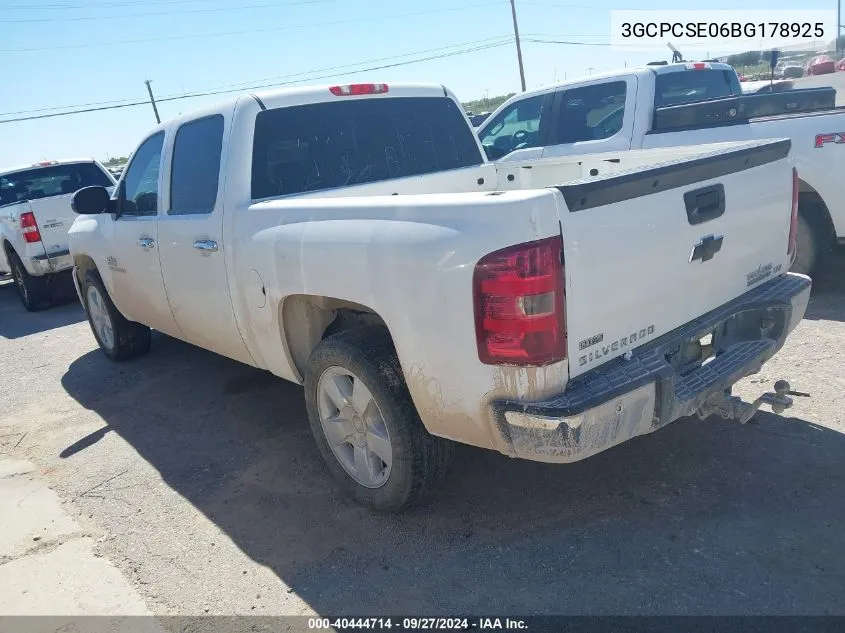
91	201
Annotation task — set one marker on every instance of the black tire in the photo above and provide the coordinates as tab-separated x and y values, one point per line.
33	291
812	241
419	460
129	339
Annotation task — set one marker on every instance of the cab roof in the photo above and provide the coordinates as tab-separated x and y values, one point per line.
45	163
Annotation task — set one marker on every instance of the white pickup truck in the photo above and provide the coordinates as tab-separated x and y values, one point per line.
661	106
355	240
35	216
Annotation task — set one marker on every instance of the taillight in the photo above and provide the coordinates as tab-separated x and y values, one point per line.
352	90
698	66
29	227
519	304
793	220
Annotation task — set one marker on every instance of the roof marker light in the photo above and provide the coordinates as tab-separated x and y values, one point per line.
352	90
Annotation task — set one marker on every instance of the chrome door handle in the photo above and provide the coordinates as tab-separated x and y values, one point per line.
208	246
146	243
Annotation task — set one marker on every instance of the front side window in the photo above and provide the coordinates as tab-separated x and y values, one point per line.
195	174
515	127
140	183
302	149
591	113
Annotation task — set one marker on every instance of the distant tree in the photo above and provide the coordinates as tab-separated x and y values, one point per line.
748	58
118	160
486	105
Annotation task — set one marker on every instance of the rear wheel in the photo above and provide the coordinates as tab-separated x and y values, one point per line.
811	242
34	291
118	337
365	424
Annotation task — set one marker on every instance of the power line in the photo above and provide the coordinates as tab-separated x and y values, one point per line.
241	85
500	40
257	87
93	5
535	40
250	31
159	13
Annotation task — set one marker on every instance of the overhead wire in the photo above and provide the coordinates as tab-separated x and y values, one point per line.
252	31
264	5
239	85
207	93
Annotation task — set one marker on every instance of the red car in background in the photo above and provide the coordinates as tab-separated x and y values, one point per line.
840	65
821	65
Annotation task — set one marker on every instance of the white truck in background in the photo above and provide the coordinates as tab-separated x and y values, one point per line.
680	105
35	216
355	240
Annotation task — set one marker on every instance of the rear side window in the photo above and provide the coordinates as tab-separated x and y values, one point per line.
45	182
195	174
591	113
351	142
689	86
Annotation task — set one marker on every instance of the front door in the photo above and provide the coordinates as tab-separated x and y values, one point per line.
191	240
133	272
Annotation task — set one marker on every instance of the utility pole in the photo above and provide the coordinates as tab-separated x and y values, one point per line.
152	100
518	47
838	23
590	70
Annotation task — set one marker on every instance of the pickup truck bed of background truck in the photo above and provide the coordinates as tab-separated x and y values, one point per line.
616	112
354	239
35	216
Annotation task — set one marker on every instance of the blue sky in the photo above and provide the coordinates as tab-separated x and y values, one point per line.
72	52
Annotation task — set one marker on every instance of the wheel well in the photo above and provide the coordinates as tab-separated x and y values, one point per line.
308	319
813	207
83	264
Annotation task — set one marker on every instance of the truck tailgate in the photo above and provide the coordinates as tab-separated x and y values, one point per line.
647	251
54	216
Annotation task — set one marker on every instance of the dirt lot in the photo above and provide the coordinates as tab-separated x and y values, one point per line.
200	481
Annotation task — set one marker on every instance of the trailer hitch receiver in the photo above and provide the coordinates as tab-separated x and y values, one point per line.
734	408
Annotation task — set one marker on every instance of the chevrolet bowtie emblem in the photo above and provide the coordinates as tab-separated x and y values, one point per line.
706	248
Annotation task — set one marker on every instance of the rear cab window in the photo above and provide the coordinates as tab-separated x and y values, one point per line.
320	146
690	86
46	182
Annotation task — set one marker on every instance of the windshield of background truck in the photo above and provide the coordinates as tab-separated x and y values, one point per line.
45	182
352	142
689	86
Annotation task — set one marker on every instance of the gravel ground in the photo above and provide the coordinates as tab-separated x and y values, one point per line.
200	481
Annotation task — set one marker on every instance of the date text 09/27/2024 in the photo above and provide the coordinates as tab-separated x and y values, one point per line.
417	624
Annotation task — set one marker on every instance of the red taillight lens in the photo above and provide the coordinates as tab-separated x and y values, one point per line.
519	305
353	90
29	227
793	220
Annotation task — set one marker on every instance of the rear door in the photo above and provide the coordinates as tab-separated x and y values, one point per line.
596	117
648	251
191	238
